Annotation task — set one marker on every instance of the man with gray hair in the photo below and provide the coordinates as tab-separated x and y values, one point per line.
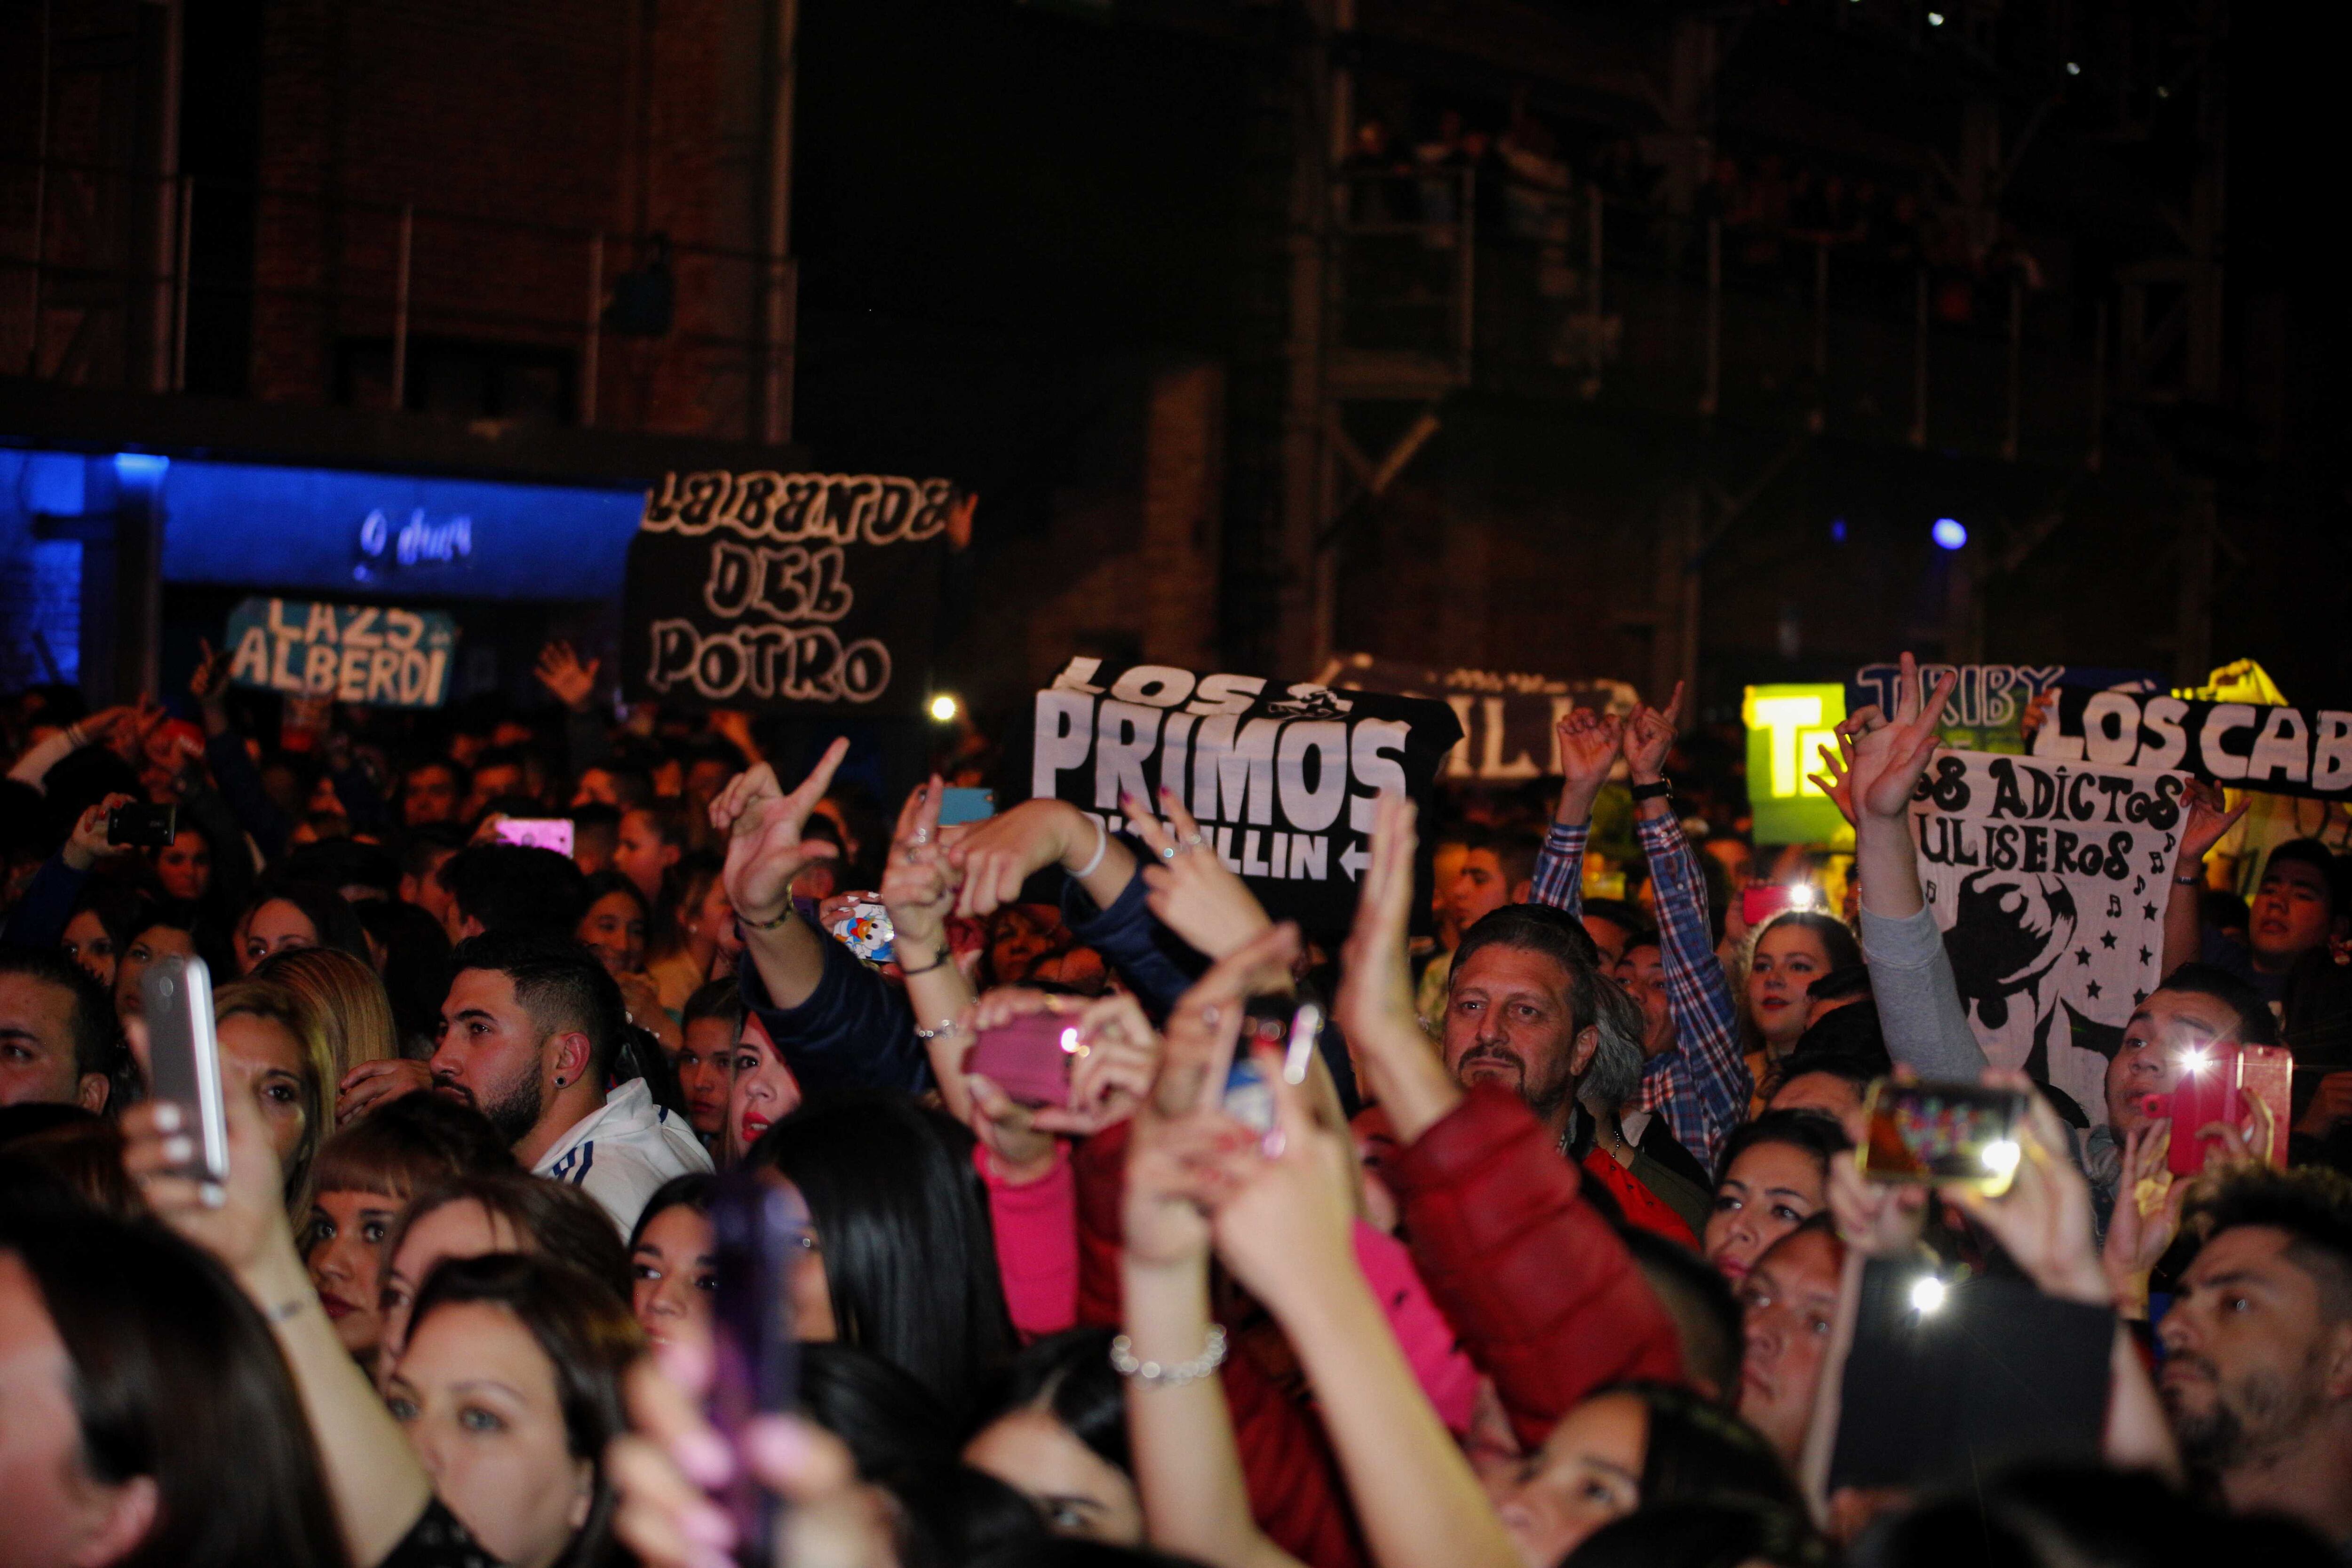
1527	1009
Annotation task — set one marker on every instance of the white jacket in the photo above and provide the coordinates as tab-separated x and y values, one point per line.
621	1153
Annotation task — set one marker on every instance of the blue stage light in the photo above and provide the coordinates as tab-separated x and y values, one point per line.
1949	533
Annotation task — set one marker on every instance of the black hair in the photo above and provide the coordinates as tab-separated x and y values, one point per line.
1846	980
2064	1516
96	1040
428	842
1705	1314
459	774
174	1376
1816	1134
1074	1551
558	982
1858	1070
1070	1377
2313	853
517	887
2256	1025
1625	915
633	783
340	863
589	1340
2312	1205
692	1189
328	911
1844	952
897	1432
1697	1450
1852	1031
595	815
1705	1534
115	905
1539	928
415	967
206	933
909	1255
714	999
604	882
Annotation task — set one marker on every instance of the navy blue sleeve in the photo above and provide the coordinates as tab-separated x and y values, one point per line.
1154	961
41	916
855	1030
239	783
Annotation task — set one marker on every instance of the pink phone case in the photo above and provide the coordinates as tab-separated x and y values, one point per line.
1029	1058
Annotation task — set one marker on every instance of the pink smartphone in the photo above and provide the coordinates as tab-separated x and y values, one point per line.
537	833
1029	1058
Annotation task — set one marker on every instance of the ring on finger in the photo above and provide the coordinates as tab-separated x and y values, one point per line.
1169	851
921	836
1195	839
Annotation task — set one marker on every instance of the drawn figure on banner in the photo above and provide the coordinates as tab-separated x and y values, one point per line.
2010	933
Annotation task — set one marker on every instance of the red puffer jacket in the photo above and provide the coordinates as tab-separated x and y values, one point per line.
1547	1299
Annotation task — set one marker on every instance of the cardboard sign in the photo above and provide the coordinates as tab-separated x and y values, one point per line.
370	654
1508	717
808	592
2256	746
2049	881
1283	778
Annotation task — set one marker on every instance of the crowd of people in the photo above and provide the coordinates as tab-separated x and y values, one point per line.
1553	1250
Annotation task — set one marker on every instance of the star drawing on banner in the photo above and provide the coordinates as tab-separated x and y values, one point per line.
2144	956
2092	990
2082	955
2109	941
2148	912
2139	998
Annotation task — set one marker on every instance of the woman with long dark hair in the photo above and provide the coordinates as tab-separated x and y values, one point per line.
155	1422
901	1259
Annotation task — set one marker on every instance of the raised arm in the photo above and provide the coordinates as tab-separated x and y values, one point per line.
918	889
1704	1081
1589	743
372	1474
1910	973
2209	816
1374	1004
764	852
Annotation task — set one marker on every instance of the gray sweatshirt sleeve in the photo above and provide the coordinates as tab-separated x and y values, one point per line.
1918	1000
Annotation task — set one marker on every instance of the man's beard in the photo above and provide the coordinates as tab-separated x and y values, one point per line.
513	1107
2252	1419
1544	1097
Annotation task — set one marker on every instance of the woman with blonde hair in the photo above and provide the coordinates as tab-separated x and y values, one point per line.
352	1010
272	1045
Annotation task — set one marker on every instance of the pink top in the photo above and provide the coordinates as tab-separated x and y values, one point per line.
1429	1345
1037	1225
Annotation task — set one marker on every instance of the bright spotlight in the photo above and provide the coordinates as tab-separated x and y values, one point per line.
2073	69
1949	532
1999	1157
1928	1294
944	708
1802	896
1935	19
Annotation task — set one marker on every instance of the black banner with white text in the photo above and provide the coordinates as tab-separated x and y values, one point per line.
2246	745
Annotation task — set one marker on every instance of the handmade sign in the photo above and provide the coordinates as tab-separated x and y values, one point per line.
1283	778
370	654
1508	717
786	590
2257	746
2049	881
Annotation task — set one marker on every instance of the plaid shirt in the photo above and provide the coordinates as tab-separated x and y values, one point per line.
1700	1084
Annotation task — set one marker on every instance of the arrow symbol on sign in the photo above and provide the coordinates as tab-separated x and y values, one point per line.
1353	859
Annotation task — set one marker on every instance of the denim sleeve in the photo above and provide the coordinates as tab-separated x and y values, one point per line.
855	1030
1153	961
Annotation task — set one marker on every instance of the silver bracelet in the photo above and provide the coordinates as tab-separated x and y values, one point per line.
1102	845
1151	1374
944	1027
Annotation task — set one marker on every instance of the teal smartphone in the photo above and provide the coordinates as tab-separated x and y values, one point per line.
962	805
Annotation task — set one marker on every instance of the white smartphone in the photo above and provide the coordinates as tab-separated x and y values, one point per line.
184	1057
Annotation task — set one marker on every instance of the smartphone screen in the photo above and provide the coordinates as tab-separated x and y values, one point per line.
1942	1133
2214	1083
537	833
1759	905
1029	1058
758	1228
183	1056
963	805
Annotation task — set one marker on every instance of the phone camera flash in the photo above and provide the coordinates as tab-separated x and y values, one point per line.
1928	1294
1070	1041
2000	1157
2193	1059
1801	896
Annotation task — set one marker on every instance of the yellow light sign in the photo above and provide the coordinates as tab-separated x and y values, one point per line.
1787	727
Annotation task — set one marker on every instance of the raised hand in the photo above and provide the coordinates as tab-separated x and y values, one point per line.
2137	1237
567	679
1649	736
1889	755
994	856
917	884
2044	1220
2210	817
1589	743
1834	780
246	1221
1283	1204
87	846
1193	891
764	848
1374	1004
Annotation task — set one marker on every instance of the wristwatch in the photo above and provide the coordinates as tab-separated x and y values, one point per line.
1664	786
